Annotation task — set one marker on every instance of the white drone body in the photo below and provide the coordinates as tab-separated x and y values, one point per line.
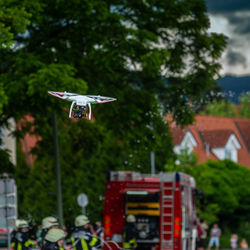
81	102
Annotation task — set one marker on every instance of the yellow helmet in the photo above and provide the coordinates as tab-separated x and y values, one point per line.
54	235
81	220
21	223
131	218
49	222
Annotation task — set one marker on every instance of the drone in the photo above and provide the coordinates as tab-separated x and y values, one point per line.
80	102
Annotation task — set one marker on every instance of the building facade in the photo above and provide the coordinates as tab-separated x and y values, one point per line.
215	138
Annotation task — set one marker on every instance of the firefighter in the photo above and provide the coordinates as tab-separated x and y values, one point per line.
47	224
20	240
83	237
54	239
129	233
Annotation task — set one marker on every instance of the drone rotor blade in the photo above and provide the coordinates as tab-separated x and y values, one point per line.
71	107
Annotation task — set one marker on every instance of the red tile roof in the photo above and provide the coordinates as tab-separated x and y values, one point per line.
244	130
178	135
216	138
215	132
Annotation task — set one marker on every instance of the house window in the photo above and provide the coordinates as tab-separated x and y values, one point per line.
231	154
228	154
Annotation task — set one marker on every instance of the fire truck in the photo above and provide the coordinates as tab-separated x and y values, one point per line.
164	206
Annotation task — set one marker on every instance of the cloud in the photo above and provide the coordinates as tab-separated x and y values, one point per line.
231	17
237	12
227	6
234	58
240	21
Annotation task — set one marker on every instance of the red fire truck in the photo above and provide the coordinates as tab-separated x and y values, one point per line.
164	206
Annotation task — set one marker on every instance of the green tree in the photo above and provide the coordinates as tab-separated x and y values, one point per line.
223	108
226	192
13	20
155	57
245	105
183	162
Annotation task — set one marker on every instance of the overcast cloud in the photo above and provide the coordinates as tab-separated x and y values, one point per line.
232	17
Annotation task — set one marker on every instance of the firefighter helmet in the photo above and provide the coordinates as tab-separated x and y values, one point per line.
81	220
21	224
49	222
54	235
131	218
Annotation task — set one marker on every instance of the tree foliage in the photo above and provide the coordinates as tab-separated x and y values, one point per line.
13	19
224	184
226	108
153	56
222	108
227	194
245	105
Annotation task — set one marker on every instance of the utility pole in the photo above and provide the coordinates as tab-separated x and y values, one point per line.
152	158
58	172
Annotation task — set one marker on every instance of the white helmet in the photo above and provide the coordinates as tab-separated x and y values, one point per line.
21	223
49	222
54	235
131	218
81	220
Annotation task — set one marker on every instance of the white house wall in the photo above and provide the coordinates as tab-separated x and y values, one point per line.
219	153
188	143
230	151
9	141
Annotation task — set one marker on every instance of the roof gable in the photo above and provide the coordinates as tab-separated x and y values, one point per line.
216	138
232	143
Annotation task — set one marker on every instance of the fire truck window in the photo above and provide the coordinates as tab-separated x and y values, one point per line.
184	209
186	206
143	198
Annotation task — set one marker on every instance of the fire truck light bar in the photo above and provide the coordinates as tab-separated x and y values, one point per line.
137	192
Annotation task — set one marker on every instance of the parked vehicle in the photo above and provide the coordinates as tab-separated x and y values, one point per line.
164	206
3	237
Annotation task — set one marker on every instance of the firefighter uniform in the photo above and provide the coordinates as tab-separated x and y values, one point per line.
82	238
47	224
53	239
20	240
129	233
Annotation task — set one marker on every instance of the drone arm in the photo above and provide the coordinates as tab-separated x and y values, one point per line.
71	107
89	111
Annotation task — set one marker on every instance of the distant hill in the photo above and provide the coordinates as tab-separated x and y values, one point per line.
234	86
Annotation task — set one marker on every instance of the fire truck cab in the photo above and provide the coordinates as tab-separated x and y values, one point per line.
164	206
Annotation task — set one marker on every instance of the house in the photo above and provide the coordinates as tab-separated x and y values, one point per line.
29	140
215	138
8	140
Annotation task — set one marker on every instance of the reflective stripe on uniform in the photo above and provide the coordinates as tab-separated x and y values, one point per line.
29	243
126	245
84	244
93	241
19	246
130	244
73	240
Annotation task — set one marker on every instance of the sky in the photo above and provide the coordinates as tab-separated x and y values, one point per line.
232	18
